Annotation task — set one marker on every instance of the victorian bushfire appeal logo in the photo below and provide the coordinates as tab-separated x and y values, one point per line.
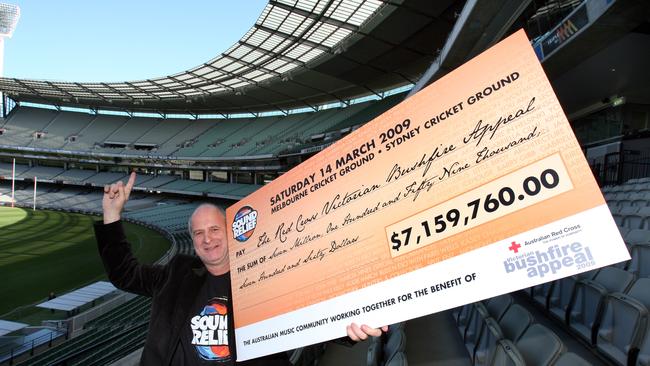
210	331
244	223
550	260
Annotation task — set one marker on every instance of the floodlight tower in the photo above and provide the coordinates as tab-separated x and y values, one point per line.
9	15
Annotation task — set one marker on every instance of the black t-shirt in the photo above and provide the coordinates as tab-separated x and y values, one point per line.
208	337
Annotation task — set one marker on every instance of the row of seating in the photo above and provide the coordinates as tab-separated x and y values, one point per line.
81	199
630	203
47	129
618	201
90	347
499	332
162	183
607	309
632	217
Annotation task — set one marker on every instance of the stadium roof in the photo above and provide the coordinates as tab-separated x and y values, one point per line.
77	298
298	54
7	326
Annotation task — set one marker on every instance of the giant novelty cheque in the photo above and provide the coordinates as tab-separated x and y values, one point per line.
471	188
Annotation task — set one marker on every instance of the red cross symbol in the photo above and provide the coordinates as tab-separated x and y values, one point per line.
514	247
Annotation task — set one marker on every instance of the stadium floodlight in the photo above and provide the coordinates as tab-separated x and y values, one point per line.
9	15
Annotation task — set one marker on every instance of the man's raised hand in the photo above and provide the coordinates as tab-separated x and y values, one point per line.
115	196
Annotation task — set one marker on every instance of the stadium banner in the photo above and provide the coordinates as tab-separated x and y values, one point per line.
473	187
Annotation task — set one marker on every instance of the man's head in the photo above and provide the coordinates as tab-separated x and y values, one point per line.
207	227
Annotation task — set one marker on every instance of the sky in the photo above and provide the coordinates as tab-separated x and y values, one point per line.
122	40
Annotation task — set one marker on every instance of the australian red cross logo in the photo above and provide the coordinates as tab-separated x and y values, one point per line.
514	247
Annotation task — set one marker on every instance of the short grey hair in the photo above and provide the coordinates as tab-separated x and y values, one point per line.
205	204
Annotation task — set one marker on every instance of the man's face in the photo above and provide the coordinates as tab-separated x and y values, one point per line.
209	237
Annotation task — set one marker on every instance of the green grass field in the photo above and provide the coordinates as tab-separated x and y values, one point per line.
43	251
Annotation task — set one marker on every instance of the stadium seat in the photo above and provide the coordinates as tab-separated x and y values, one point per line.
639	199
626	202
645	189
507	354
623	230
638	220
486	347
498	305
624	322
586	304
637	236
643	356
622	195
571	359
622	214
562	292
540	293
515	322
537	337
475	326
629	186
640	262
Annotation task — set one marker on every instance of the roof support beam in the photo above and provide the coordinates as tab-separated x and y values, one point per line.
294	39
315	16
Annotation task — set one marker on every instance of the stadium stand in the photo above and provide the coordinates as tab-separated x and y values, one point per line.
62	129
7	169
20	128
107	331
226	138
144	182
605	311
75	176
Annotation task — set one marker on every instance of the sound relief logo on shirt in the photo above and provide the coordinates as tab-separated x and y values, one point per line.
210	331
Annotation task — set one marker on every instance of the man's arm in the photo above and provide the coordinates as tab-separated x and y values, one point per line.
122	268
115	197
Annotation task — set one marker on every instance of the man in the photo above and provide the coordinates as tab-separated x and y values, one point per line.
191	313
